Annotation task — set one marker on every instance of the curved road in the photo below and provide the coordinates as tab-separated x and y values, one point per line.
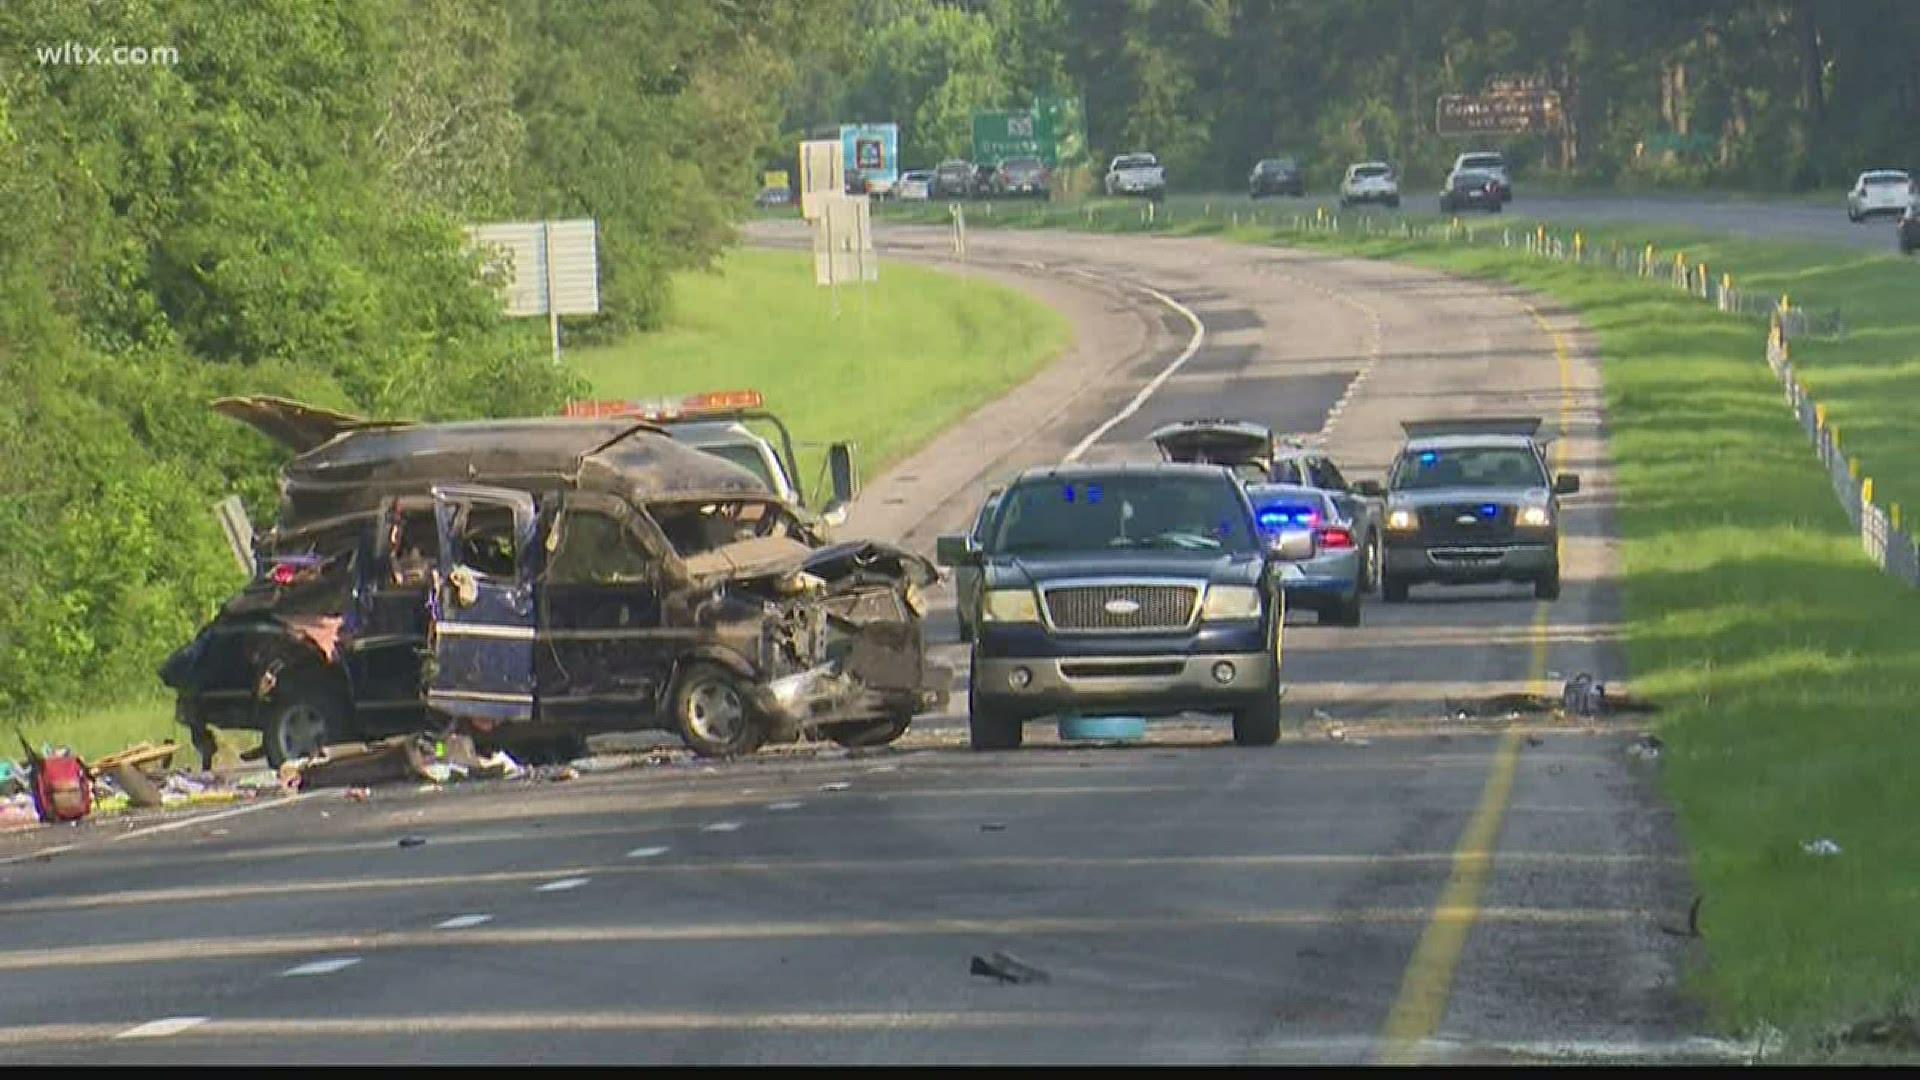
1386	885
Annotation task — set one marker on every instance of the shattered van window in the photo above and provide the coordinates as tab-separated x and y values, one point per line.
415	547
486	543
695	527
595	549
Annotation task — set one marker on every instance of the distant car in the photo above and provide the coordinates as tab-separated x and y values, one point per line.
1276	176
1472	500
1370	182
1470	190
1022	177
1881	191
1909	230
1136	174
1485	161
915	186
773	196
953	179
983	181
1332	582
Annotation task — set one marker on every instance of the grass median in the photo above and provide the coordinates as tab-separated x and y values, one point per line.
1785	660
886	365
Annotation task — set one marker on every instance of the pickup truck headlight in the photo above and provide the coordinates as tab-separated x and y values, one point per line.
1009	606
1231	602
1535	517
1402	520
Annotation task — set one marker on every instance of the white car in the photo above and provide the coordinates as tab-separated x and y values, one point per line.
1137	174
1881	191
1488	161
915	186
1370	182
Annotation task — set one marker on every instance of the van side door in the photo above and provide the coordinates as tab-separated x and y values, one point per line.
481	613
602	647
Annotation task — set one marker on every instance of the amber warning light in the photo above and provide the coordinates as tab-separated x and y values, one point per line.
716	401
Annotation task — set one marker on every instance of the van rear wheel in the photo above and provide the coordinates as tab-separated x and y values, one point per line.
302	717
713	714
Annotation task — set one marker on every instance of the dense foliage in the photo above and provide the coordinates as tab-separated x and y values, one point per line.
279	209
1772	94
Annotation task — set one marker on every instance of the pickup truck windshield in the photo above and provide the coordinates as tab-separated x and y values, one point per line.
1110	513
1472	466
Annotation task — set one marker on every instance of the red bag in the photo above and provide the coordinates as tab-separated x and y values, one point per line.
61	790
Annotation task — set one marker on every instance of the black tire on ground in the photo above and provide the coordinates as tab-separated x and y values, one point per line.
303	715
713	714
1547	586
1258	725
854	734
1344	613
1393	589
989	728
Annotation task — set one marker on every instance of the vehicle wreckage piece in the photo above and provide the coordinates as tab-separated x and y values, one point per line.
546	579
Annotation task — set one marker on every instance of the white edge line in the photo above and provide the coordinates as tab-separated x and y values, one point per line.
1139	399
268	803
160	1029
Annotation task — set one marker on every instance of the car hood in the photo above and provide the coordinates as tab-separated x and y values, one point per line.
1212	444
1532	496
1218	567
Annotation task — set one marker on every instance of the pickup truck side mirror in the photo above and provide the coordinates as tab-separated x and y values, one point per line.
955	550
1372	489
840	469
1292	545
1566	483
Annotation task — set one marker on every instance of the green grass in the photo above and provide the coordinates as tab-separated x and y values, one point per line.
901	358
1786	662
99	732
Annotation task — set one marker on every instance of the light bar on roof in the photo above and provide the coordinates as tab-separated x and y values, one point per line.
662	409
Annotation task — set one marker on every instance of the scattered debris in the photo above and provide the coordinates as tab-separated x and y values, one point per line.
993	826
566	772
140	789
1337	733
837	785
357	794
412	841
1646	747
1006	969
1820	846
1692	929
1899	1032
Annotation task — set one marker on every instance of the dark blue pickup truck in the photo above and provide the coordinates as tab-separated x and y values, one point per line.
1143	589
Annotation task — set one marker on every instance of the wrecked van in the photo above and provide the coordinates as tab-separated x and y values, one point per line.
532	579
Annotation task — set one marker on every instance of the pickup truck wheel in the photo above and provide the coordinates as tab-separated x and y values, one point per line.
712	713
1258	725
989	728
1547	586
1393	589
302	717
854	734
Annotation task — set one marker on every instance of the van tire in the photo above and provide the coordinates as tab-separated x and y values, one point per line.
713	713
302	716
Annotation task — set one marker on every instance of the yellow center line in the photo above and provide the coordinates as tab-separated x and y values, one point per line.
1428	982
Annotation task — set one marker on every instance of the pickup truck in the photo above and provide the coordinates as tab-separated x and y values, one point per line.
1140	589
1137	174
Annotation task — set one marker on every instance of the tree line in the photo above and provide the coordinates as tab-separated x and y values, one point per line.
1765	94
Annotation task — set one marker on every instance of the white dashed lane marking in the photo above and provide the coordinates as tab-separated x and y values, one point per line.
721	826
160	1029
788	805
646	852
322	967
562	885
463	922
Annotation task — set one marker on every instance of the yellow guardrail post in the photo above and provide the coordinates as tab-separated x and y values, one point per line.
1579	245
1853	468
1726	292
1893	516
1866	490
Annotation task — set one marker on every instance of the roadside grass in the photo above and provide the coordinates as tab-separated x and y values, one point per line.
1787	665
98	732
886	365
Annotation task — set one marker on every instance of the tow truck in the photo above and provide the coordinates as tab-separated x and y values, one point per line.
717	422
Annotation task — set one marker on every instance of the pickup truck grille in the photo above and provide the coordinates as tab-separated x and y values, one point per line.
1084	607
1441	525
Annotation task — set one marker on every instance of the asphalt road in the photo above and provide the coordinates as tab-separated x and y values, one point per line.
1386	884
1766	219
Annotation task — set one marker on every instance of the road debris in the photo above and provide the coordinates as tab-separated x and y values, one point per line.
993	826
1820	846
837	785
1647	747
1005	969
412	841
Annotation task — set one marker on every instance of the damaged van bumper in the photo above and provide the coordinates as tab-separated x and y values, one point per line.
825	695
